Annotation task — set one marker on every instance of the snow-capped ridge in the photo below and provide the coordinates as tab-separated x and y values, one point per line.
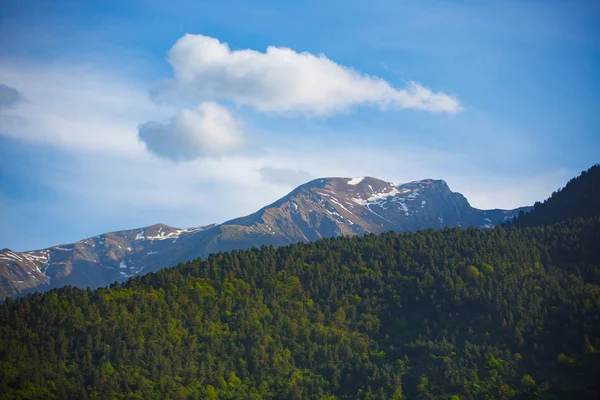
323	207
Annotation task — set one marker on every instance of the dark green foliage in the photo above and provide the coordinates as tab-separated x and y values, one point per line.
451	314
579	198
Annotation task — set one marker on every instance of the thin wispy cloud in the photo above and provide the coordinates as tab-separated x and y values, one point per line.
9	96
284	176
77	109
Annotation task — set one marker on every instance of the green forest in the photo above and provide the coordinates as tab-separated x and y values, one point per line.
508	312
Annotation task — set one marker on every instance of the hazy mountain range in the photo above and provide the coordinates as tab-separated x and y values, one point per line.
320	208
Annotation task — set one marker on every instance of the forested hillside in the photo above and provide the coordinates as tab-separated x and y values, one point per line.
452	314
579	198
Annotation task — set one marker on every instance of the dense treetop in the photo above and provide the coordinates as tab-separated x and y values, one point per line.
478	314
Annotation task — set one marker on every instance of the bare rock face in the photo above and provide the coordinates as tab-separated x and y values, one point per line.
318	209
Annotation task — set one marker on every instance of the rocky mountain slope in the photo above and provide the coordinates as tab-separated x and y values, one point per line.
321	208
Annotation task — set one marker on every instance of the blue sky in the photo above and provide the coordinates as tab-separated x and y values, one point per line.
121	120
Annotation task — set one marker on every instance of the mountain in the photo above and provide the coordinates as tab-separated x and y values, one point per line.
94	261
580	198
321	208
502	313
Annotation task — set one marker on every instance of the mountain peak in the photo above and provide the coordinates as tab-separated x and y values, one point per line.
370	184
324	207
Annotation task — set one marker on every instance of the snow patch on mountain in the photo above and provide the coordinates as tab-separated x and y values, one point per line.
356	181
61	248
163	234
376	197
9	254
340	204
403	207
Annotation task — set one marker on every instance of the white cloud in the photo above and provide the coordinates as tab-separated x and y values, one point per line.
284	81
207	131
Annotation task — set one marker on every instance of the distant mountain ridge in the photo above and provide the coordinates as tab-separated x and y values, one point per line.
99	259
321	208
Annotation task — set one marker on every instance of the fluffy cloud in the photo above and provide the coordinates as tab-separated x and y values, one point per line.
284	81
9	96
284	176
209	130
